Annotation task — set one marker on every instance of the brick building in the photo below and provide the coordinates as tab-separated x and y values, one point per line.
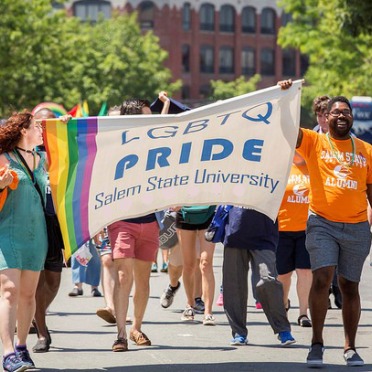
210	39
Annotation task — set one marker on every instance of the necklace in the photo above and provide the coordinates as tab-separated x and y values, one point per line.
24	150
336	154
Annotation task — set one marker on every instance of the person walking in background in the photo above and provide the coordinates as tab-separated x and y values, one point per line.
252	237
189	235
83	272
50	276
338	233
291	254
320	111
23	233
169	240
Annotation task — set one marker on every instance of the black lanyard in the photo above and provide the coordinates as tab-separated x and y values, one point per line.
31	175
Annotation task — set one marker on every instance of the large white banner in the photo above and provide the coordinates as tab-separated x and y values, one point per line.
238	151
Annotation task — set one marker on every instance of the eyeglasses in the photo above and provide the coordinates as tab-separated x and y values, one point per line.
337	113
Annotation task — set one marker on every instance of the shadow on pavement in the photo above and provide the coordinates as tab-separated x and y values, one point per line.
219	367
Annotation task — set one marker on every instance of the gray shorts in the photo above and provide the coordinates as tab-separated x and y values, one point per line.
345	245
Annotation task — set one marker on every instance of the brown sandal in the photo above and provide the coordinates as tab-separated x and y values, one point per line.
106	315
121	344
139	338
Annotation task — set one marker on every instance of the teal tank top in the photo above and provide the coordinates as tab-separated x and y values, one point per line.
23	235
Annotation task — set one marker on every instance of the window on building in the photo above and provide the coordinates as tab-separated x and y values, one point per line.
186	58
206	59
227	18
207	17
146	12
289	62
267	62
248	61
268	21
186	17
304	64
57	6
226	60
286	18
249	20
92	10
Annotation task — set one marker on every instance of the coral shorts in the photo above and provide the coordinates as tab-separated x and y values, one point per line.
134	240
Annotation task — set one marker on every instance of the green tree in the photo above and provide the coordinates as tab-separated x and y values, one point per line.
340	62
122	63
224	90
35	51
357	16
48	56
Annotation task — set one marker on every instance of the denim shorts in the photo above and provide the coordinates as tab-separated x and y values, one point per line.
345	245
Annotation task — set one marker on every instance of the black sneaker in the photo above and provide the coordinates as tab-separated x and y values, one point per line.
76	292
315	356
167	297
199	306
24	355
13	363
96	292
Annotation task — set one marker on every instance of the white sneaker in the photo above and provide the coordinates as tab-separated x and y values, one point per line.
167	297
188	314
209	320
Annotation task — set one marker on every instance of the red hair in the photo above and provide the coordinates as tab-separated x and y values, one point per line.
10	131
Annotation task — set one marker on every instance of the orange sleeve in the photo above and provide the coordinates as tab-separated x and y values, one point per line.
12	186
3	196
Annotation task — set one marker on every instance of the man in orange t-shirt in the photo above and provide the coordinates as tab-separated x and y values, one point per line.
338	232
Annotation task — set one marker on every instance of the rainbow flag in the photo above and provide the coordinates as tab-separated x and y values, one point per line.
70	176
80	110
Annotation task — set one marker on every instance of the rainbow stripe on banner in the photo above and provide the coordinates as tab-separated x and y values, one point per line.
71	151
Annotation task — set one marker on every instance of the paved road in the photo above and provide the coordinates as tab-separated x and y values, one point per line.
82	341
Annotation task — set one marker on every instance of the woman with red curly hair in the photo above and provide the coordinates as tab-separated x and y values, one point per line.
23	233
